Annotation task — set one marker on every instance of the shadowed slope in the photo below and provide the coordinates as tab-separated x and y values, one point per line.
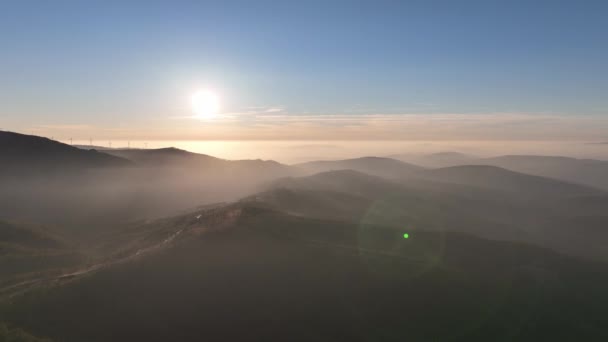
27	252
50	183
244	273
175	158
502	179
30	154
584	171
165	157
485	201
383	167
439	159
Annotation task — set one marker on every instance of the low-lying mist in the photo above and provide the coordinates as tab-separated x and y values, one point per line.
168	236
98	197
295	151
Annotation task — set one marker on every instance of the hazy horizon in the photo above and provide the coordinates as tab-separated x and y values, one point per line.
297	151
317	71
361	170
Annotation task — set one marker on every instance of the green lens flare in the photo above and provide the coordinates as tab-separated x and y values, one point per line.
406	236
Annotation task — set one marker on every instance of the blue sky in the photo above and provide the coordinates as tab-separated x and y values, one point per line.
132	65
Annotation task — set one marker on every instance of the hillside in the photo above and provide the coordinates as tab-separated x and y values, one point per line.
176	158
20	153
417	204
505	180
484	201
27	252
11	334
435	160
166	157
243	273
383	167
583	171
341	180
80	191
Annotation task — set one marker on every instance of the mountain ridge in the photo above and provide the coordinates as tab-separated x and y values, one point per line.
32	154
377	166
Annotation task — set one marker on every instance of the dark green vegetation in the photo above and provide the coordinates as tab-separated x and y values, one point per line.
247	273
9	334
27	254
322	257
485	201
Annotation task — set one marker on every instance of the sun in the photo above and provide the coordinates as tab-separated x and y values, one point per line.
205	104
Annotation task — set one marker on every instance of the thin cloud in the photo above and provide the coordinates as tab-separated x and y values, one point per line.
64	126
254	111
275	123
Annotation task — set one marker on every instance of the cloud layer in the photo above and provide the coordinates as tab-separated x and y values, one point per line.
275	123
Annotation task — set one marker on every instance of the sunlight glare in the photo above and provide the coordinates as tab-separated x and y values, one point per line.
205	104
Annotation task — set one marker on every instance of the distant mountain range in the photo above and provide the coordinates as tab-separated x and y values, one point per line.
502	179
485	201
583	171
133	183
166	157
32	154
165	244
47	182
435	160
383	167
174	158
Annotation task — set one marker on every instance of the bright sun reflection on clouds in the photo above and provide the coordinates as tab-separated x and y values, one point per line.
205	104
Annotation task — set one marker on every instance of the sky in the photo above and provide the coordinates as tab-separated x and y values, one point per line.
306	70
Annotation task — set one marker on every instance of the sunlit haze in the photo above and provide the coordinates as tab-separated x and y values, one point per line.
205	104
316	71
303	170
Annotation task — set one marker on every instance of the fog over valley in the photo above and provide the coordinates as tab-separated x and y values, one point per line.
75	220
331	171
294	151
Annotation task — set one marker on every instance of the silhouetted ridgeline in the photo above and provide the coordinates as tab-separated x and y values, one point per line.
22	155
583	171
440	159
47	182
486	201
383	167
